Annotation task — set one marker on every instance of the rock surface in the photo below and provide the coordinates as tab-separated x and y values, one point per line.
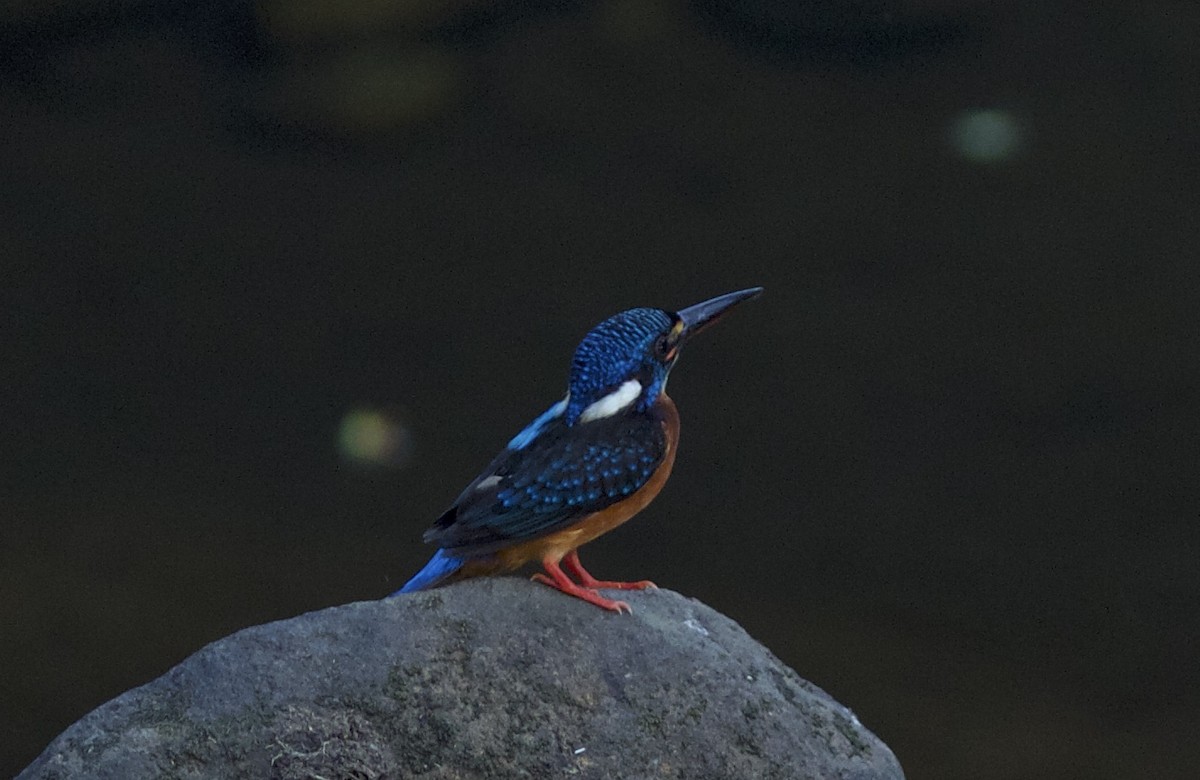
492	678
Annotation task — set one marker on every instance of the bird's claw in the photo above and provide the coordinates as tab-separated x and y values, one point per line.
588	594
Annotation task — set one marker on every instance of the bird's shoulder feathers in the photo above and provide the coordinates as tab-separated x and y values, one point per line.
556	478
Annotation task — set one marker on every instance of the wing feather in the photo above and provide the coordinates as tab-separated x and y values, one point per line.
564	475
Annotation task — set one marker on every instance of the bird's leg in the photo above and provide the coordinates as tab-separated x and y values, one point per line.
560	581
571	561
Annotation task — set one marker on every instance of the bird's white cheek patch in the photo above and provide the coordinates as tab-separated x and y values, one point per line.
614	402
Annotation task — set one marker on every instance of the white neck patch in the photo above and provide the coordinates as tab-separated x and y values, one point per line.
612	403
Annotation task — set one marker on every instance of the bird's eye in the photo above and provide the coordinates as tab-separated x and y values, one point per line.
664	347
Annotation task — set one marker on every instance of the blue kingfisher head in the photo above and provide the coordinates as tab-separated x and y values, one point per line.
624	361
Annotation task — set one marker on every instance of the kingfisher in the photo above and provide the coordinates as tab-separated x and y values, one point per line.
584	466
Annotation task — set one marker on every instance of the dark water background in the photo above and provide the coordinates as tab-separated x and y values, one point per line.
946	467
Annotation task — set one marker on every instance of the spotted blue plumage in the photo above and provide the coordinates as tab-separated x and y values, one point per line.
614	351
560	469
573	472
610	440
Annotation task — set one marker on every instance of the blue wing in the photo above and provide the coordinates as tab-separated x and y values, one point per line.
560	476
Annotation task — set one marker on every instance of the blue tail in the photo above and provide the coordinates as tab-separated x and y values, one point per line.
440	566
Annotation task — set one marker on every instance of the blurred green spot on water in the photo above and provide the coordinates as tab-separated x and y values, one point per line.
986	136
376	438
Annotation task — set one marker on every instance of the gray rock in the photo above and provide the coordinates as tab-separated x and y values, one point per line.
492	678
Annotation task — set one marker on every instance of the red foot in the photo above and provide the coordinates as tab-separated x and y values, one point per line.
591	597
571	561
559	581
588	586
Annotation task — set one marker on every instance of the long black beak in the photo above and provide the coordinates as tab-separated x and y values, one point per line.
697	318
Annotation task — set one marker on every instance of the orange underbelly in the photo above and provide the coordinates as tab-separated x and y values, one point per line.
556	545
